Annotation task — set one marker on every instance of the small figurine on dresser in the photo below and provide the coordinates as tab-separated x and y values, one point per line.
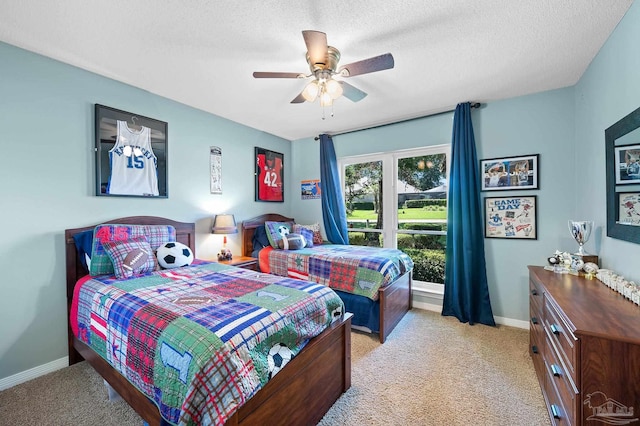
225	254
561	262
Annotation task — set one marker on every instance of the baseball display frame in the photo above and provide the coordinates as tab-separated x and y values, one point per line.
506	173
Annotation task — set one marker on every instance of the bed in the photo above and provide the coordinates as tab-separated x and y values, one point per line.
378	316
301	393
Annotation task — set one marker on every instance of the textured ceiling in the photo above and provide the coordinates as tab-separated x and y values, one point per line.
202	53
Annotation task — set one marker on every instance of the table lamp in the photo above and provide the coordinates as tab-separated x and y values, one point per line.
224	224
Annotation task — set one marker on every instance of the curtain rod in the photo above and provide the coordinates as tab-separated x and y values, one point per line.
473	105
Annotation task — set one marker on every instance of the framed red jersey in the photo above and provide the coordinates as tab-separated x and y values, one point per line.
269	175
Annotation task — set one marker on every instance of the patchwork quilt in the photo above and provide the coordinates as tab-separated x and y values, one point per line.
200	340
358	270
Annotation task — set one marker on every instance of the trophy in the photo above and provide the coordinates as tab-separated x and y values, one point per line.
581	231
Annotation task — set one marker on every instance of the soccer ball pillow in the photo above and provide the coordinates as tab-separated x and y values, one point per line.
174	255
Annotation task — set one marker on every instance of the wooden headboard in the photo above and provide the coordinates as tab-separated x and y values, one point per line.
185	233
249	227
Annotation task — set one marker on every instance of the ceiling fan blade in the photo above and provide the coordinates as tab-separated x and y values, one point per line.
298	99
258	74
352	93
316	42
377	63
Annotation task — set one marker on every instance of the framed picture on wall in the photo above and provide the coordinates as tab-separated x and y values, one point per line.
131	154
499	174
511	217
269	175
627	164
629	208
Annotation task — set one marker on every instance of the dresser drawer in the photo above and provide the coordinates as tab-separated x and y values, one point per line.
561	337
535	327
535	294
559	382
536	340
557	412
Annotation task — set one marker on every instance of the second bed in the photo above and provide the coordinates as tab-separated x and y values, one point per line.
379	312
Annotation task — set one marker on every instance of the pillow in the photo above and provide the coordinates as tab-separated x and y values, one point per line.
101	263
315	228
277	230
306	233
174	255
84	243
291	242
131	257
260	239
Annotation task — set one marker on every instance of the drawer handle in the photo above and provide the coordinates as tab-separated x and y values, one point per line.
555	410
534	349
534	292
557	371
534	320
554	329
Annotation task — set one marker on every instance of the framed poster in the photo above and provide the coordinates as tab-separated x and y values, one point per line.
628	164
629	208
511	217
499	174
269	175
310	189
131	154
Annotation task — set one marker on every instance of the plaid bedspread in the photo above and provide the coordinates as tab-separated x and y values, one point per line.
353	269
201	340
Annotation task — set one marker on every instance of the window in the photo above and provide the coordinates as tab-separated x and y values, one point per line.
399	199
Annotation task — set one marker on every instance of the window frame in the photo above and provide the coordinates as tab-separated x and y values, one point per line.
389	162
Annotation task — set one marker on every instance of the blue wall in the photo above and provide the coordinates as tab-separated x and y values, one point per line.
47	185
608	91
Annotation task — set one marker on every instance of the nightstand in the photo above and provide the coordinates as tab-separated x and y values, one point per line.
245	262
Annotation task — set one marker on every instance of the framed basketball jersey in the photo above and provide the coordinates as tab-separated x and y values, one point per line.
269	175
131	154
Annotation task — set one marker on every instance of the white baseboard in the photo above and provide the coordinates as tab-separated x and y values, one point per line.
510	322
33	373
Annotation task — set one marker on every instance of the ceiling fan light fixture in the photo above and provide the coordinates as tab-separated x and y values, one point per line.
325	99
310	92
334	89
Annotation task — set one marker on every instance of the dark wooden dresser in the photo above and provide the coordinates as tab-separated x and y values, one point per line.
585	347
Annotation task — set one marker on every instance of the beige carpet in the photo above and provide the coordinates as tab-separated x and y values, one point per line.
432	370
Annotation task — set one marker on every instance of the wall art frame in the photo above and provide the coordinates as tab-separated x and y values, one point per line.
622	193
125	166
627	158
215	169
507	173
269	175
511	217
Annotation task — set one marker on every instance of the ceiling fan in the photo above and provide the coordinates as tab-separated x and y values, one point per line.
323	63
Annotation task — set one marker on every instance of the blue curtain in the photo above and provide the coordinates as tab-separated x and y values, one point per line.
466	293
334	214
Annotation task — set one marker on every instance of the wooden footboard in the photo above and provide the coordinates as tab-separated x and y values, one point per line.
395	301
300	394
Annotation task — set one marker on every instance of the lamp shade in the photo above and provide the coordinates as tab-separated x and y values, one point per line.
224	224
